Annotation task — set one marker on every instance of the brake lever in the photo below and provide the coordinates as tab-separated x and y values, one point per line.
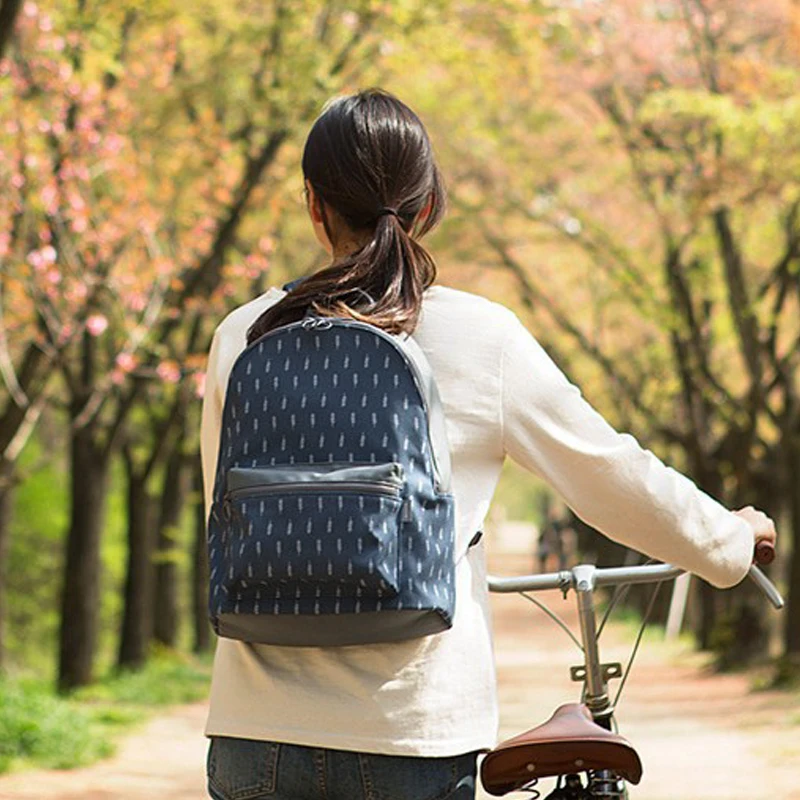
766	586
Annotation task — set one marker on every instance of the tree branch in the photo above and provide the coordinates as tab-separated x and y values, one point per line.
533	297
32	377
739	302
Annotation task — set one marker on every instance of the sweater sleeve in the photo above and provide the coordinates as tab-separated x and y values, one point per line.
606	477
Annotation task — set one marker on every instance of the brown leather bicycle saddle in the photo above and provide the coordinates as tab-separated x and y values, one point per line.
570	741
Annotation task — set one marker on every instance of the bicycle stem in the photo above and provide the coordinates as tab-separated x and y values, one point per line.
597	699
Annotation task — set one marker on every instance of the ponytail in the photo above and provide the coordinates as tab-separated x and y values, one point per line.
363	153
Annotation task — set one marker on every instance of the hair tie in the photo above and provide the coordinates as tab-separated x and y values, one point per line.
388	210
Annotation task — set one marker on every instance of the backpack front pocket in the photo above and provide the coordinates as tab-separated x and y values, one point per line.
301	533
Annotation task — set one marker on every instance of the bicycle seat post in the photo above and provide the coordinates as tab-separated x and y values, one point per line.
596	686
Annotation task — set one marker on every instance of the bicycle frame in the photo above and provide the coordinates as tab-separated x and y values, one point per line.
583	580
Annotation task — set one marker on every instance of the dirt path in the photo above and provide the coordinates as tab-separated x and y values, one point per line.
700	737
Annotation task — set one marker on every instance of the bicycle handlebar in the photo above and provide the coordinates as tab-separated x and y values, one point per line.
764	553
586	577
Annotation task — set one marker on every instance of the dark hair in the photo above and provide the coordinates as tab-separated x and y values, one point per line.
369	158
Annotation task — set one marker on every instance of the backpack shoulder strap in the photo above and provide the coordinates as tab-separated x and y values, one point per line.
436	419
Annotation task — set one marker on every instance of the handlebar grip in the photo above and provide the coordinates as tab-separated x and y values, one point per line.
764	553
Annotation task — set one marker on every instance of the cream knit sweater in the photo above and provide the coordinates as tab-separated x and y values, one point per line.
502	396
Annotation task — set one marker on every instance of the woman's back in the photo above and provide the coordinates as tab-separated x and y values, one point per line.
435	696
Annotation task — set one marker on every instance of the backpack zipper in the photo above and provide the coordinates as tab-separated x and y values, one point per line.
309	487
390	490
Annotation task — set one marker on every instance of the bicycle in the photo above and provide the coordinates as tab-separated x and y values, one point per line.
580	745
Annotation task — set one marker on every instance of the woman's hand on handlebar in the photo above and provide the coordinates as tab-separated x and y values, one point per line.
763	531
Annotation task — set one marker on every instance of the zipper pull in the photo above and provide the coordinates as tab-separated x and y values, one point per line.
407	515
316	324
475	539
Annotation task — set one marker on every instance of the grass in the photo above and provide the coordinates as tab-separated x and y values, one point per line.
40	728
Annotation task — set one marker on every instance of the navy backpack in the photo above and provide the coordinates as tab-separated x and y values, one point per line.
332	521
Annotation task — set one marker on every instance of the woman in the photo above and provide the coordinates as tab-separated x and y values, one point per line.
406	719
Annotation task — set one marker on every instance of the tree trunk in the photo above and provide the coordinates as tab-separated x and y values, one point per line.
173	498
707	597
200	578
792	621
80	600
705	600
137	614
6	492
9	10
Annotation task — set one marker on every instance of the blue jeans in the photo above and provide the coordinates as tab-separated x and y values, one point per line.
246	769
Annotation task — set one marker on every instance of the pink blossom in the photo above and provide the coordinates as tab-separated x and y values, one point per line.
49	198
96	324
350	19
5	244
114	143
54	276
199	384
76	202
65	334
169	371
126	362
137	302
75	293
18	180
30	9
163	265
49	254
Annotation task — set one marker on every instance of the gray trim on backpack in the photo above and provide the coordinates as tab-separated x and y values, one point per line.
244	478
331	630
